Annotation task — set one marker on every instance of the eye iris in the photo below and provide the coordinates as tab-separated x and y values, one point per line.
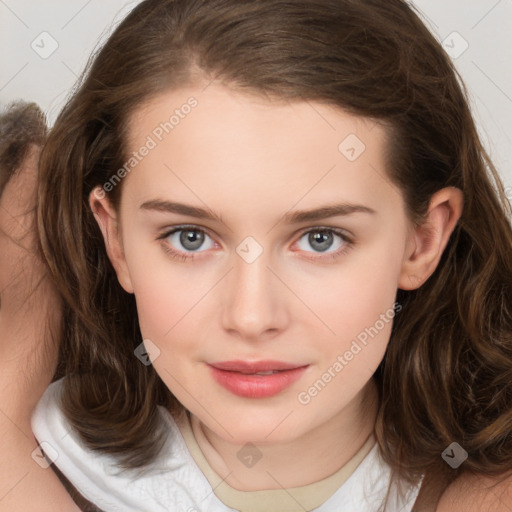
320	237
195	238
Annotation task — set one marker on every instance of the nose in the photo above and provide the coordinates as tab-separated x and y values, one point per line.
255	300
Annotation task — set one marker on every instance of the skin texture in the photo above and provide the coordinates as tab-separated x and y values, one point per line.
27	359
474	493
253	161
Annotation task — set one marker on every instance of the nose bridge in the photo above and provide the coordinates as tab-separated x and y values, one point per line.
253	303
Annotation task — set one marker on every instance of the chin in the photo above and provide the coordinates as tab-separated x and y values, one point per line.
260	433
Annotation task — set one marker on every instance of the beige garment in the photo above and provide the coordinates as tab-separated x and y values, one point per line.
309	496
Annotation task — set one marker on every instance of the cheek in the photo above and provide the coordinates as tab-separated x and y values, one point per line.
357	306
160	306
349	355
353	297
167	293
157	294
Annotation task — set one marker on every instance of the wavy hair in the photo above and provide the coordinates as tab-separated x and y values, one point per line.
447	373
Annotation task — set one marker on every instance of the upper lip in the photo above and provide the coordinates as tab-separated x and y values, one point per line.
255	366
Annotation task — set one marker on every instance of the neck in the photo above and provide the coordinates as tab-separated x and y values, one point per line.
323	451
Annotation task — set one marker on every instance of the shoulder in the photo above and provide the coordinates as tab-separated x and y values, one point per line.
171	482
474	493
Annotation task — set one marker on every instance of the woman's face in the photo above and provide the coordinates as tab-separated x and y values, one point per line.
252	276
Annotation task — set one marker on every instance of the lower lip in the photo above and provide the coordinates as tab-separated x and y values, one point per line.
256	386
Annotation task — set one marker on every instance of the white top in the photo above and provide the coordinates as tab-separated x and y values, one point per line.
175	481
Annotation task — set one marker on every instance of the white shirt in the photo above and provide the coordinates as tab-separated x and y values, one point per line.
174	482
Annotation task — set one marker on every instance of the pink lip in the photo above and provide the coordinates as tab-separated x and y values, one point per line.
238	377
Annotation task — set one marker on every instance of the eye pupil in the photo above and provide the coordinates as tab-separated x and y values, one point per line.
321	237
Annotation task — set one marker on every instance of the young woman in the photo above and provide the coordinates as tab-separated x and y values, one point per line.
285	259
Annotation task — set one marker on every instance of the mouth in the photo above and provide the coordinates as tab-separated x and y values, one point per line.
260	379
257	367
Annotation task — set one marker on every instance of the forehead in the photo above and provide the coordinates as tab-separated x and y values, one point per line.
218	110
222	142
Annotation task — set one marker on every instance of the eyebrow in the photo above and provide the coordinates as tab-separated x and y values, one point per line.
294	217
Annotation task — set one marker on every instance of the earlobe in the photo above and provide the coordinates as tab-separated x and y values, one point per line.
107	220
428	241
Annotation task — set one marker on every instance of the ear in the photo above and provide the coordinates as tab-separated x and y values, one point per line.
427	242
106	217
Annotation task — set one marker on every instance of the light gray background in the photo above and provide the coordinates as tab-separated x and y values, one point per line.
78	26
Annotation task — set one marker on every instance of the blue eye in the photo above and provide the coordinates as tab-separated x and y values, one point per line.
191	238
323	239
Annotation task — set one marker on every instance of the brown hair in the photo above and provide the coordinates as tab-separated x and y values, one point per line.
22	127
22	124
447	373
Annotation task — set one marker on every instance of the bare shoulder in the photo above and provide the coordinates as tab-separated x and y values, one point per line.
472	493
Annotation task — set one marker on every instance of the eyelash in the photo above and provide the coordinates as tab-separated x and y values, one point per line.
177	255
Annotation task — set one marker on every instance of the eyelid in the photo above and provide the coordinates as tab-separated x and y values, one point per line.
339	231
166	232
